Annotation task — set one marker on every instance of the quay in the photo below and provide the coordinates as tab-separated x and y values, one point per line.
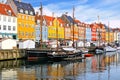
10	54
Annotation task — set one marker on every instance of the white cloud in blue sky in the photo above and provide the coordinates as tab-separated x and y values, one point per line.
85	10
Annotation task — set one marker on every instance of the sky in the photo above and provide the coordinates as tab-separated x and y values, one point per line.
85	10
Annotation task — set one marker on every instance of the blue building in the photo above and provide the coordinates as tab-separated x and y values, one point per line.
38	29
88	34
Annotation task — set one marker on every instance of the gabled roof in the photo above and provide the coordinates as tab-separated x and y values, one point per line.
61	21
48	19
70	19
6	10
77	21
24	6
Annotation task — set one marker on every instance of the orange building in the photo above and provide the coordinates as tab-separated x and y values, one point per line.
94	32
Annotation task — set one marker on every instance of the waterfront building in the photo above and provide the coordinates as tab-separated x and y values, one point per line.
119	35
100	34
25	19
81	30
51	28
8	22
60	26
116	34
94	33
109	34
73	26
38	29
88	35
67	28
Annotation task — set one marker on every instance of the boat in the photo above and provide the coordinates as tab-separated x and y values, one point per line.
34	54
109	49
65	53
110	53
88	55
99	51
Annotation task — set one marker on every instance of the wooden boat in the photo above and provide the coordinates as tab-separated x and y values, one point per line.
34	54
65	53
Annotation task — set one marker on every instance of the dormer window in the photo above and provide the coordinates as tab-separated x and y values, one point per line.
21	10
31	13
61	25
50	23
67	25
26	11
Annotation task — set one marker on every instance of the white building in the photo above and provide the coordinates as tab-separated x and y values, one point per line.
8	22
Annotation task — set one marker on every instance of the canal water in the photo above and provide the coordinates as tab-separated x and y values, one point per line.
98	67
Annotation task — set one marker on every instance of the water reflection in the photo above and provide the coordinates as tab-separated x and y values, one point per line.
98	67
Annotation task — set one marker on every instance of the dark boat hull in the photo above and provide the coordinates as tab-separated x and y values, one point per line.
57	57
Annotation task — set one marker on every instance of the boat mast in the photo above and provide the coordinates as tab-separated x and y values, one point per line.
108	33
84	33
41	22
57	32
73	25
98	32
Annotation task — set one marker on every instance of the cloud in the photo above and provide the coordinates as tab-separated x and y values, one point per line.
106	9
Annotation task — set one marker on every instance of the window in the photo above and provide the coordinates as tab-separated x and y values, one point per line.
50	23
0	27
22	33
14	20
4	27
32	18
14	28
21	10
4	18
26	11
9	27
26	33
9	19
31	13
26	17
22	17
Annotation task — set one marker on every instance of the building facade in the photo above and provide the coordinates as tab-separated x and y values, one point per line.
8	22
25	19
38	30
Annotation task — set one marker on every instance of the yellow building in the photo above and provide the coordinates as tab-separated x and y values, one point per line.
55	27
26	26
109	37
25	17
